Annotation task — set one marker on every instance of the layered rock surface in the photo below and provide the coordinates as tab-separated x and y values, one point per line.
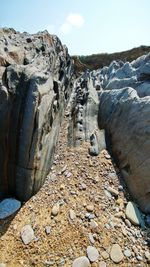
124	112
35	84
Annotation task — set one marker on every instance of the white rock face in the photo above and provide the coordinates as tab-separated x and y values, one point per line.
8	207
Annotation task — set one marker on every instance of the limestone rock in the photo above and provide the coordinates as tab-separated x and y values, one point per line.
27	234
81	262
35	85
116	253
8	207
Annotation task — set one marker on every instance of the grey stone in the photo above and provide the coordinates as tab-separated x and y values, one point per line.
33	95
127	253
8	207
92	253
81	262
133	214
48	229
27	234
116	253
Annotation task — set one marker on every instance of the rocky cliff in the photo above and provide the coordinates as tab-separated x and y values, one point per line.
124	112
35	83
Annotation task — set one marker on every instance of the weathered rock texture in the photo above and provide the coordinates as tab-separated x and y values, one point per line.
83	123
124	112
35	85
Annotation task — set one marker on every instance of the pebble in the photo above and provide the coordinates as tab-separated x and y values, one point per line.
147	254
89	208
113	191
105	255
92	253
139	258
128	223
72	214
102	264
91	238
116	253
133	214
48	229
107	194
55	209
93	224
8	207
81	262
27	234
127	253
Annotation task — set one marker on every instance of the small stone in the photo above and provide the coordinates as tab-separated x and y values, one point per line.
105	255
127	253
72	214
107	194
102	264
8	207
55	209
48	230
107	156
91	238
128	223
139	258
62	187
93	224
113	191
133	214
81	262
116	253
147	254
92	253
82	186
89	208
27	234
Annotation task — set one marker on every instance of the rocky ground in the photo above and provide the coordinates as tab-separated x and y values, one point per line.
80	211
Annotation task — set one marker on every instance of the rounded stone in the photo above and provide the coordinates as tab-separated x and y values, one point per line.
81	262
102	264
55	209
89	208
116	253
92	253
127	253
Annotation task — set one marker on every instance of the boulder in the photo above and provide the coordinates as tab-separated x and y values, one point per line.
35	84
125	117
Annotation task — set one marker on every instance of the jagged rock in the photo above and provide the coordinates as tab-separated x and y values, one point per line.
8	207
35	84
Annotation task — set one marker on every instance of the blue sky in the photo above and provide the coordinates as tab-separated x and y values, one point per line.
85	26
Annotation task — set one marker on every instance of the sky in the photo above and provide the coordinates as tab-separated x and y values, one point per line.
85	26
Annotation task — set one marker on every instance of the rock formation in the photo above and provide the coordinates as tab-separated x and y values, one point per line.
35	84
124	112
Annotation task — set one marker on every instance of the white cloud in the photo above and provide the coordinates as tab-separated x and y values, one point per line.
65	28
73	20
